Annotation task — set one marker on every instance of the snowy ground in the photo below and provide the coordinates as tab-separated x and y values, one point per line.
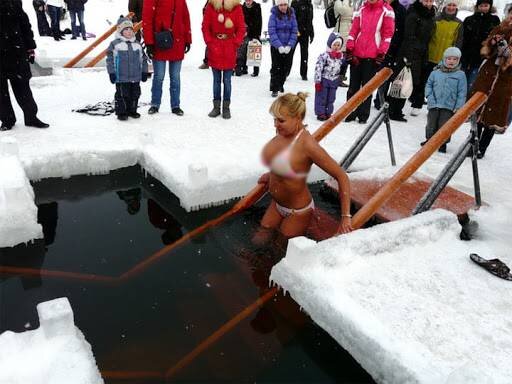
175	148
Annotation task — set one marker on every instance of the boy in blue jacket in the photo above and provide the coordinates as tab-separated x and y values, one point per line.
127	66
445	91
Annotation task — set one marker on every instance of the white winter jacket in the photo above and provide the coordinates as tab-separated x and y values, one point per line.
55	3
343	12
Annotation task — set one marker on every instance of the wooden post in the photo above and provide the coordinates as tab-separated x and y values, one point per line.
71	63
369	209
100	56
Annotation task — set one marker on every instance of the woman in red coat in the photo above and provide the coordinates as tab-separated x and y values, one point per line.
157	16
223	32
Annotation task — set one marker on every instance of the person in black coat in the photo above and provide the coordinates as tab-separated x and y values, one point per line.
42	22
16	52
476	29
253	22
76	10
418	29
391	60
304	14
135	6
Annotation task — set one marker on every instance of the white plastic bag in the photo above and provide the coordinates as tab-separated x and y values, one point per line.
401	87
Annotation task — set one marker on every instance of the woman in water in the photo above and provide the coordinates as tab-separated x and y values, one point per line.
289	156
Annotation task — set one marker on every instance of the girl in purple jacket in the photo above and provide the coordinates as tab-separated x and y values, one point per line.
328	70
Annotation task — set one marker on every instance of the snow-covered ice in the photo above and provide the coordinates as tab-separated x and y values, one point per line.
406	301
55	353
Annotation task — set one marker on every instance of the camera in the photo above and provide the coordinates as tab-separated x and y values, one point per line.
502	43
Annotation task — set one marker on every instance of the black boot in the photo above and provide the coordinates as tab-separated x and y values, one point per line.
6	127
36	123
226	113
216	109
256	72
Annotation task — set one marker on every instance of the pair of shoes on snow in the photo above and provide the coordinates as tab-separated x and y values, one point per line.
415	111
36	123
398	118
133	115
6	127
177	111
274	94
494	266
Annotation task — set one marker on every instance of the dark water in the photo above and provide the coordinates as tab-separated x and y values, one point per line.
141	326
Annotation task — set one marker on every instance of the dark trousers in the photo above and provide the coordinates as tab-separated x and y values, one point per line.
359	75
485	135
75	30
436	118
418	91
126	98
304	54
42	24
55	19
22	93
324	99
281	64
241	59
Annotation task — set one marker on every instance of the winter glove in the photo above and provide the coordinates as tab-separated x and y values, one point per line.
349	56
31	56
380	59
112	78
187	47
150	51
144	77
318	87
311	38
281	50
287	49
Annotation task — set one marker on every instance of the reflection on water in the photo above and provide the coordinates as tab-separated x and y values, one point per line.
190	313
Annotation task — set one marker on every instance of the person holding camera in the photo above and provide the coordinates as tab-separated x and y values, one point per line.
17	50
167	34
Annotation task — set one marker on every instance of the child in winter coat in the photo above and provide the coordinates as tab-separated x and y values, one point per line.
127	65
329	67
445	91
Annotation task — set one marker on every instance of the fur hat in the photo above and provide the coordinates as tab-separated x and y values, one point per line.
333	38
478	2
122	23
279	2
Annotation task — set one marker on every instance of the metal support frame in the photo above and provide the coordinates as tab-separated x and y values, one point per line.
367	134
470	144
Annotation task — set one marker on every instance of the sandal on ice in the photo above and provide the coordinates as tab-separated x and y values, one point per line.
494	266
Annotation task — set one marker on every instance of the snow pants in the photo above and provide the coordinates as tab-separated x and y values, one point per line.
126	98
21	89
303	40
435	119
281	65
359	75
324	100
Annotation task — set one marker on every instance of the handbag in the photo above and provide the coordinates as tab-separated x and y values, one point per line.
401	87
165	39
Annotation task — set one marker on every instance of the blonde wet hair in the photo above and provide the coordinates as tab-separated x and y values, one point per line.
293	104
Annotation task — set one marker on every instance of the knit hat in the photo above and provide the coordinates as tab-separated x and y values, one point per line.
451	52
478	2
122	23
279	2
456	2
333	38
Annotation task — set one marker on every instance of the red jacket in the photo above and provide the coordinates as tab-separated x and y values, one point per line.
372	28
156	17
223	32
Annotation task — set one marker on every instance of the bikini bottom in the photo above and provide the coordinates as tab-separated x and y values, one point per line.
285	211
